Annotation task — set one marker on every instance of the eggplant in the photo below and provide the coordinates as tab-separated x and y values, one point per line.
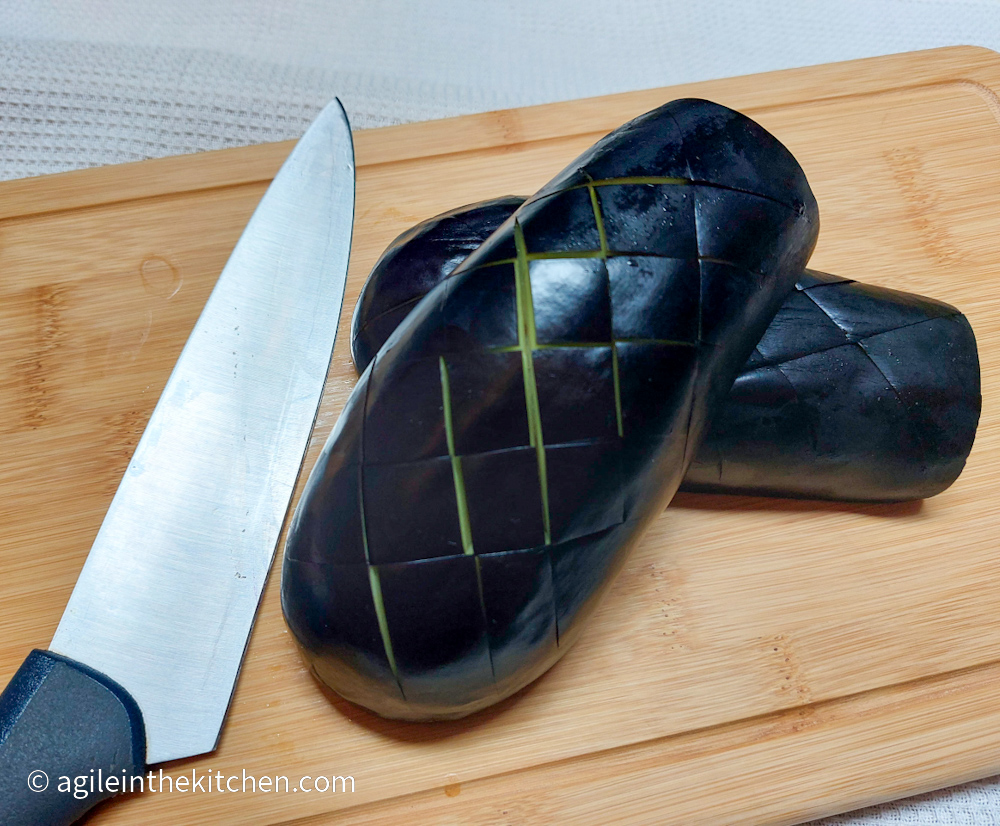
414	264
854	393
517	432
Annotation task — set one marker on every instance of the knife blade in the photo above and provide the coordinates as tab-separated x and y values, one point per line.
144	662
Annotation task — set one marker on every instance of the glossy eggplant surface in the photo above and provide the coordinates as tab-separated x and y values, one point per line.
514	435
414	264
855	392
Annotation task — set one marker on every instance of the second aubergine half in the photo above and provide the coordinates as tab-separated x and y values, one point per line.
855	392
511	440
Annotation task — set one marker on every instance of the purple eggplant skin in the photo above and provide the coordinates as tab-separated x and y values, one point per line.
855	393
414	264
515	435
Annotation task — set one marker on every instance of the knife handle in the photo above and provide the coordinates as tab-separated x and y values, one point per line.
69	738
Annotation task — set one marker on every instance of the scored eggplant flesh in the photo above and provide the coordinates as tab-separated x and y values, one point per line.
514	436
855	392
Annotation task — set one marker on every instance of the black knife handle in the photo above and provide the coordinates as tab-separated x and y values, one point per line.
69	738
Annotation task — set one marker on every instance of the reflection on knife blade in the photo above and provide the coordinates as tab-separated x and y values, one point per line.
143	664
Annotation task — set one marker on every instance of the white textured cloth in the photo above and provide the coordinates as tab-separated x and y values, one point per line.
974	804
85	83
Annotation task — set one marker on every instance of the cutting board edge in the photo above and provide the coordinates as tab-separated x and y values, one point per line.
572	790
257	164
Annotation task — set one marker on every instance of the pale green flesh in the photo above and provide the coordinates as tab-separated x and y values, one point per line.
528	342
464	524
602	234
583	345
461	501
640	179
376	586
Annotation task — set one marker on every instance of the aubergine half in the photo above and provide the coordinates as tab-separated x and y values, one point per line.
855	392
513	437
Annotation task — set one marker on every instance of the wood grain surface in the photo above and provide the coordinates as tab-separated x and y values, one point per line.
758	661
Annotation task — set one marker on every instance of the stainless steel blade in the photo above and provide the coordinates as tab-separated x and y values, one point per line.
167	597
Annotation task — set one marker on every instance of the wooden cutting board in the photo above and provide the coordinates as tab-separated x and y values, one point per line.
757	661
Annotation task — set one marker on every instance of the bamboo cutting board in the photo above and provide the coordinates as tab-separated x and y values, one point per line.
757	661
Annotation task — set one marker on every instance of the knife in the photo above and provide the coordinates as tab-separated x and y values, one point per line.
144	661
